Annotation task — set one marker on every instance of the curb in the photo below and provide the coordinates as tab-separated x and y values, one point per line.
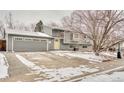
99	73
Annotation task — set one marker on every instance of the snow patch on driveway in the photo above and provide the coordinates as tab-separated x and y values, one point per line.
85	55
28	63
3	67
67	73
89	56
57	74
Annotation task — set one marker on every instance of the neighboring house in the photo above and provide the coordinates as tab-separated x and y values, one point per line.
68	40
16	40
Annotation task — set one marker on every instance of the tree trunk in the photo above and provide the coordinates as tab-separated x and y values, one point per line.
96	53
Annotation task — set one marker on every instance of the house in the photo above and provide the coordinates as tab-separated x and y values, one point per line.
48	39
68	40
16	40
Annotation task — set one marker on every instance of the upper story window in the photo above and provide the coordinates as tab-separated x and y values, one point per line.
61	34
58	34
76	35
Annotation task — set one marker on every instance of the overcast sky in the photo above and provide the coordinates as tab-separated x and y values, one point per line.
33	16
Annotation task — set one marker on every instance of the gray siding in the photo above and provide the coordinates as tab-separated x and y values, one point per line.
54	33
67	37
47	30
68	42
64	46
9	43
51	44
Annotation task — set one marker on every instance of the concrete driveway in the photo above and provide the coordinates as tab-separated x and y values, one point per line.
20	72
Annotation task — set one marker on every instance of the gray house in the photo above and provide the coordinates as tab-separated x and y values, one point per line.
68	40
49	39
15	40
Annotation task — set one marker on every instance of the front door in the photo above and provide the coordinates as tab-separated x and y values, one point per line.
57	44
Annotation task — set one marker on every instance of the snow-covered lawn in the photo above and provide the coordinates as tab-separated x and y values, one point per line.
3	67
85	55
116	76
59	74
110	54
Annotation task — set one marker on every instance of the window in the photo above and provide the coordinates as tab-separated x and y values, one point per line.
71	46
84	46
76	36
62	34
36	40
28	39
18	38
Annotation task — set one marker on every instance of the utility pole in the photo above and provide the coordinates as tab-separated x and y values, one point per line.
10	21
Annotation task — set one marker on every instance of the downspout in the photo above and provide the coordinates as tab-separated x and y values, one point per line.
7	42
47	45
12	45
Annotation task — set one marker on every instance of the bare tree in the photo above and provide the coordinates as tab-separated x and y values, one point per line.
103	28
2	30
53	24
32	26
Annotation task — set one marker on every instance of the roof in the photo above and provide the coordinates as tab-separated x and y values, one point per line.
27	33
59	28
68	30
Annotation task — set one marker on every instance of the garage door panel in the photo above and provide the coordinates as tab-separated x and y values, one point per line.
30	45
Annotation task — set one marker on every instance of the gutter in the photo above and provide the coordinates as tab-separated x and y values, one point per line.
30	35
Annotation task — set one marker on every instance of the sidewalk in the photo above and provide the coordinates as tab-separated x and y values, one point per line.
108	71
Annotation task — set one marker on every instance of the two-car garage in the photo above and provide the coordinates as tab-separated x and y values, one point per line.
29	42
